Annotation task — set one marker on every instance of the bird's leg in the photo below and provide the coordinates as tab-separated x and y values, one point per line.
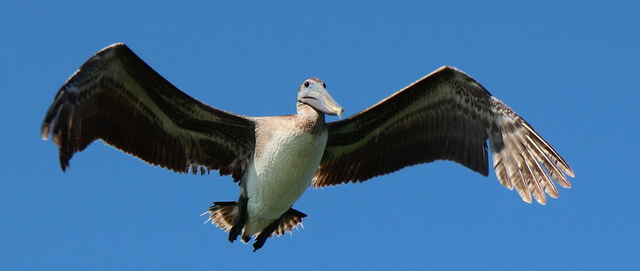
266	233
241	219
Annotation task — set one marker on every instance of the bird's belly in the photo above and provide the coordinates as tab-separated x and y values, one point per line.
283	172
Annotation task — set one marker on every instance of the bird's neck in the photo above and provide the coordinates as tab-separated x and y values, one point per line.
311	117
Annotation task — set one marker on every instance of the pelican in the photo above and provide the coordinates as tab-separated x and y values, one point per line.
117	98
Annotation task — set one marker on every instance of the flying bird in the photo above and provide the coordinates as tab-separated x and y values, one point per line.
117	98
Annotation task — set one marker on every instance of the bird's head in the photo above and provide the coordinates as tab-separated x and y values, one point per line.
313	92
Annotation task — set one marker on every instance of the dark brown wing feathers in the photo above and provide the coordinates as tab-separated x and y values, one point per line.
118	98
447	115
444	116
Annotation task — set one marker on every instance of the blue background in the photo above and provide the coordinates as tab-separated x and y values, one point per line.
570	68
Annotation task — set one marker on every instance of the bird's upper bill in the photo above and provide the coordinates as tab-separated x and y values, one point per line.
314	93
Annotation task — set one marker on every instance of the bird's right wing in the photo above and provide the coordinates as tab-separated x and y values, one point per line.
118	98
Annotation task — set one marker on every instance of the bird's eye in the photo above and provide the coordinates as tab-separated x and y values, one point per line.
306	84
324	85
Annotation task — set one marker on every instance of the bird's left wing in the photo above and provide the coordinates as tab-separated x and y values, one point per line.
444	116
118	98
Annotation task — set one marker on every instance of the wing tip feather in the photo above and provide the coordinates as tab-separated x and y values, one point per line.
44	131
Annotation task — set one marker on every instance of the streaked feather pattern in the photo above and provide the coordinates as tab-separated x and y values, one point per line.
118	98
444	116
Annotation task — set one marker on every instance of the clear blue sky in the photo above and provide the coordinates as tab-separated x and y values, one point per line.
570	68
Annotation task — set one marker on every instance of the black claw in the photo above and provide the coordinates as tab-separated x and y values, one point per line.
241	220
259	243
266	233
234	232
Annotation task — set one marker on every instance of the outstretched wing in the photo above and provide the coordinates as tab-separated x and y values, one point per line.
118	98
444	116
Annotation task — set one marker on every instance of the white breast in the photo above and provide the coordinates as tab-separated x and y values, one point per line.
283	172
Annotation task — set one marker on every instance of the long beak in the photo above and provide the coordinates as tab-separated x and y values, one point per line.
323	102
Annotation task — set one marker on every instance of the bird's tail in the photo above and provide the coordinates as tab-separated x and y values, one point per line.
224	214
